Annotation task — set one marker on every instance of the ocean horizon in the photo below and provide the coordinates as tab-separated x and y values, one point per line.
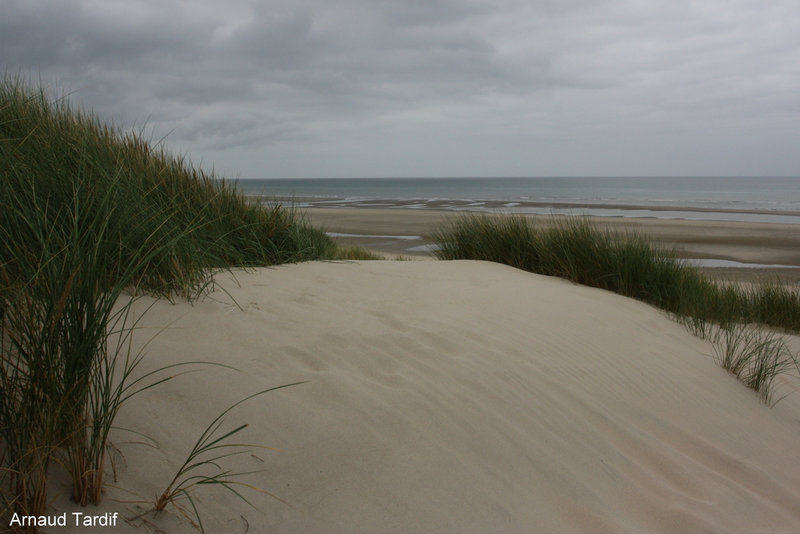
741	198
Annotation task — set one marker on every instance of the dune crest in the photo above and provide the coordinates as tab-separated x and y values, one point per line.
458	397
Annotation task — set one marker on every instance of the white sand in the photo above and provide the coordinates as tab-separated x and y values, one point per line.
455	397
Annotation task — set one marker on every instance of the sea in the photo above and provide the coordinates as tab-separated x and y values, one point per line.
742	198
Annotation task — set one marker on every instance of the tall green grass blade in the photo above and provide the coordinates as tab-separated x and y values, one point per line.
202	456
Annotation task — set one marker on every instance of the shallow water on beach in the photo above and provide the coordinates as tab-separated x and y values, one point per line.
749	199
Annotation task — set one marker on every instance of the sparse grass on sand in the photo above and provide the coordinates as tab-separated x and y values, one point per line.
86	213
357	253
633	265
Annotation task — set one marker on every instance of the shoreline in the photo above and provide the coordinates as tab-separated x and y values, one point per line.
537	207
389	231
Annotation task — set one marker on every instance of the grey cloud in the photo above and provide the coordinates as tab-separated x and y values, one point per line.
72	34
220	133
430	12
192	89
502	84
271	40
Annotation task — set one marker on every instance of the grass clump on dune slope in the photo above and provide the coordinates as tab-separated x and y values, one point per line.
86	213
46	146
632	265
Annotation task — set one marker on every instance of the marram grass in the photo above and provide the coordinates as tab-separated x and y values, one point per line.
632	265
48	145
756	356
86	213
202	466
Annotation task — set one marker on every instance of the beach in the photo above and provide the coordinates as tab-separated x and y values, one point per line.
453	396
317	393
457	396
773	247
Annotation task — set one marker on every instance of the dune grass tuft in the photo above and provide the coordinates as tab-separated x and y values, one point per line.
632	265
202	465
87	213
356	254
48	145
756	356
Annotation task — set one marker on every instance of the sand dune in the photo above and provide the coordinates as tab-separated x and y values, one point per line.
456	397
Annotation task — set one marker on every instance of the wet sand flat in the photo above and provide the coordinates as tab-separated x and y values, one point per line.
750	243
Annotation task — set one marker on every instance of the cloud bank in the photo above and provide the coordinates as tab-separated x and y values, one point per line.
313	88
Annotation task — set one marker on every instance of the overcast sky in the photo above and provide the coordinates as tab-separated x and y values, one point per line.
387	88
